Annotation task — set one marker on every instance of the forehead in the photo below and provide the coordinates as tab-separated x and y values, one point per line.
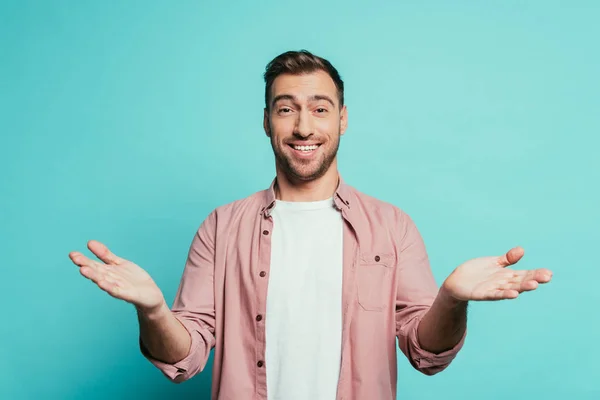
305	85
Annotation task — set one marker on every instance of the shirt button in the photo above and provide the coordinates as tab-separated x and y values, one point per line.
260	364
259	317
263	274
265	232
377	258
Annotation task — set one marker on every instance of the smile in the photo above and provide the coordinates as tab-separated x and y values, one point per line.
306	149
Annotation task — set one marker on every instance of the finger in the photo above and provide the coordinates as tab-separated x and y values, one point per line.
85	262
541	275
521	286
79	259
111	287
504	294
95	274
103	253
511	257
90	274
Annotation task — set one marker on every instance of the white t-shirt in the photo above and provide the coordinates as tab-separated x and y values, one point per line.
304	302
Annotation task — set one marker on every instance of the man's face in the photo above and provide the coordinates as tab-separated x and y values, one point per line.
305	123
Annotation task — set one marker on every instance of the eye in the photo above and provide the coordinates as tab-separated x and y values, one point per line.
321	110
284	110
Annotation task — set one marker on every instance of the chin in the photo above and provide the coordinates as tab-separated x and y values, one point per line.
306	175
303	171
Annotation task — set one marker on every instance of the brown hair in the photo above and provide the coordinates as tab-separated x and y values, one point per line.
297	63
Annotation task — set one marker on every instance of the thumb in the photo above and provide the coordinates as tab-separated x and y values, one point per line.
103	253
511	257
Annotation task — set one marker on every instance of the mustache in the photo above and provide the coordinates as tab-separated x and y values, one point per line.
311	139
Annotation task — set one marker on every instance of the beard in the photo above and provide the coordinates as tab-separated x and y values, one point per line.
306	170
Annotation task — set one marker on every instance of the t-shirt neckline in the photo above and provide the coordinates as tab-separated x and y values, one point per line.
304	205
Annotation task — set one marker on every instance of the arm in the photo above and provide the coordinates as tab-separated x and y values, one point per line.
480	279
163	337
444	324
422	312
177	341
438	330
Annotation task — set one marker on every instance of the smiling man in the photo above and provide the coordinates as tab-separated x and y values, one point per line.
305	290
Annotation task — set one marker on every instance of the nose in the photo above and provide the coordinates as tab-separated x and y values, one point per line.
303	126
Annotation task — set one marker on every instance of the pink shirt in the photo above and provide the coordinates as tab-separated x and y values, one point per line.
387	288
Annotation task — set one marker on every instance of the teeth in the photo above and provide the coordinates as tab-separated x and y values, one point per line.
306	148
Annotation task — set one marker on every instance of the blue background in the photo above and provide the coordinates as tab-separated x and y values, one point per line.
128	122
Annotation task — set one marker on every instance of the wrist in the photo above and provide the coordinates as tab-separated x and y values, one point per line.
448	300
153	313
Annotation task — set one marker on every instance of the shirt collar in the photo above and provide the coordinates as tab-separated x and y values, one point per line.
341	198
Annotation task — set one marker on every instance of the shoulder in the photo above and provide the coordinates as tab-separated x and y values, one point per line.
370	204
237	210
249	203
380	213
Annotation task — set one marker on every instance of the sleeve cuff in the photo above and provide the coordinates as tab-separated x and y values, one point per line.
425	359
179	371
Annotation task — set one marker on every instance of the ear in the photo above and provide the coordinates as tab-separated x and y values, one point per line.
343	120
266	126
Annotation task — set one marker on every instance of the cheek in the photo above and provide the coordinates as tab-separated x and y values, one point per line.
281	129
329	126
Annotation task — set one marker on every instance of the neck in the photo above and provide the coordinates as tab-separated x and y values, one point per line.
322	188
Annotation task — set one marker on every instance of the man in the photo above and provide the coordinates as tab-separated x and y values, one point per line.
303	288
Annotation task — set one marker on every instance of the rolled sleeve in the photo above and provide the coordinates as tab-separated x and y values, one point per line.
425	361
191	364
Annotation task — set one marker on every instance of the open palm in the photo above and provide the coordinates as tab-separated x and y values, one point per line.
118	277
488	278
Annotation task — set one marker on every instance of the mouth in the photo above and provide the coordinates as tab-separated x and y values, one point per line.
304	150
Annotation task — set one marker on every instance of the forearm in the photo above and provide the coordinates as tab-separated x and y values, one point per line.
444	324
165	338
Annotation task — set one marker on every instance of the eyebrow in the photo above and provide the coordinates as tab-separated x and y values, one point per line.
315	97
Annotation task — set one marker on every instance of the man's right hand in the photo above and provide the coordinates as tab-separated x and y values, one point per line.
120	278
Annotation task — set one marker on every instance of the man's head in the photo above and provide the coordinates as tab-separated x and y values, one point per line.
304	113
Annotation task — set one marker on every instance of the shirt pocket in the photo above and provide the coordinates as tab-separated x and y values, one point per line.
373	274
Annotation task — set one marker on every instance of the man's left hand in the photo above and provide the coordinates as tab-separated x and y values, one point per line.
488	278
